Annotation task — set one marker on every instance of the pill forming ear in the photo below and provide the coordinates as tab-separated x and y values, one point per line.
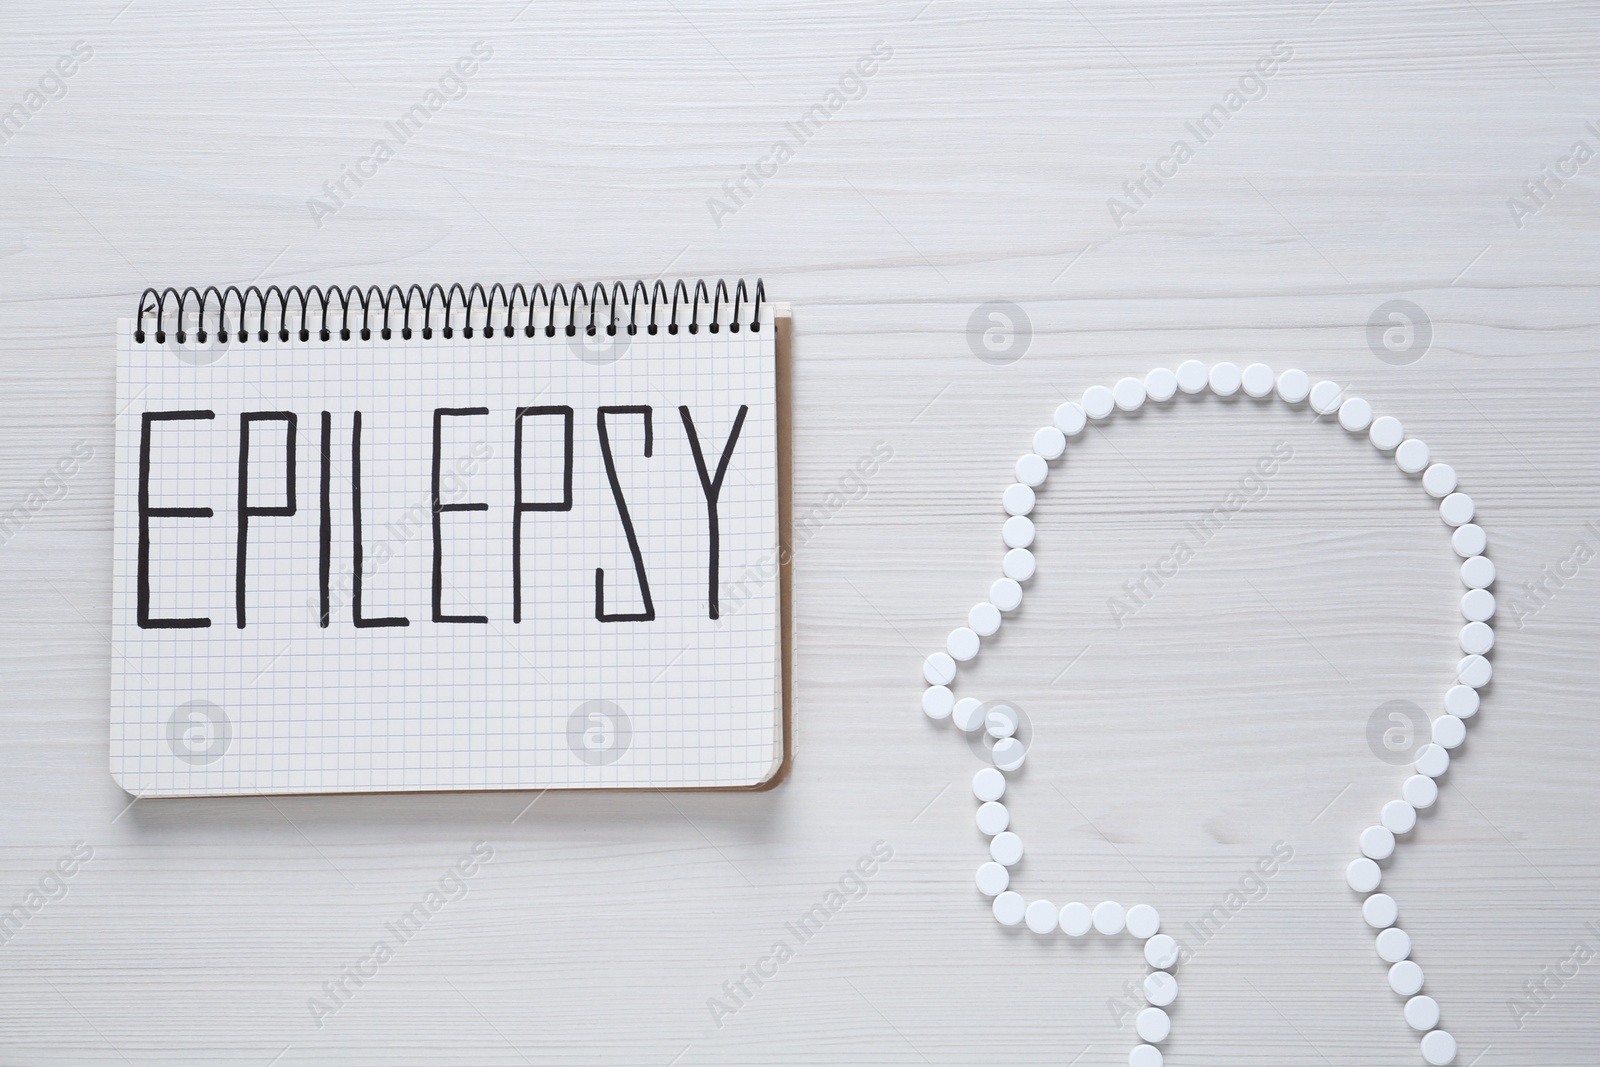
998	722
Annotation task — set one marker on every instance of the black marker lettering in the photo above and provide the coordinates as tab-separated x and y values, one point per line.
439	508
246	509
355	520
649	613
518	507
146	513
325	529
712	488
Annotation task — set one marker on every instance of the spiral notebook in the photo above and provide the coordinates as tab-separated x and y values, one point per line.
373	540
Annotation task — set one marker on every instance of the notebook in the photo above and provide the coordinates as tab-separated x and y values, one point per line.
454	538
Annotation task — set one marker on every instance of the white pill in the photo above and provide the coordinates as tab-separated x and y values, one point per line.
1422	1012
1160	384
1477	572
1143	921
1098	402
1070	419
1377	842
1439	480
1326	397
1005	594
1386	433
939	669
1477	604
1075	919
1160	988
1161	951
1449	731
1129	394
1153	1024
1380	910
1192	376
1469	540
1018	499
1009	908
988	784
1474	671
962	644
984	619
1394	945
967	714
1257	380
937	701
1355	414
1006	848
1399	817
1411	455
1145	1056
1049	442
1042	917
1225	379
1018	564
1461	701
1419	791
1477	638
1018	531
1363	875
1405	978
993	817
1439	1048
1432	760
1456	509
993	879
1109	918
1032	469
1293	386
1002	721
1009	754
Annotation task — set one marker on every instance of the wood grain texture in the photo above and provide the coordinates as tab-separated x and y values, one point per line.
1170	753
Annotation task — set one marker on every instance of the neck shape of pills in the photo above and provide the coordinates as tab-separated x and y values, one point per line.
1376	843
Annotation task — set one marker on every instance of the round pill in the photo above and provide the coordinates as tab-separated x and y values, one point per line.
1449	731
1379	910
937	701
1394	945
1153	1024
1006	848
1192	376
1477	604
967	714
1405	978
1422	1012
1002	721
1386	433
1075	919
1469	540
1474	671
1143	921
1109	918
1145	1056
993	879
1161	951
1018	499
939	669
1257	380
1049	442
1439	1048
1009	907
1477	572
1456	509
1225	379
1355	414
1432	760
1009	754
1461	701
993	817
984	619
989	784
1018	531
962	644
1477	638
1160	988
1399	817
1005	594
1018	565
1070	419
1293	386
1419	791
1128	394
1042	917
1032	469
1377	842
1098	401
1439	480
1160	384
1363	875
1326	397
1411	455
